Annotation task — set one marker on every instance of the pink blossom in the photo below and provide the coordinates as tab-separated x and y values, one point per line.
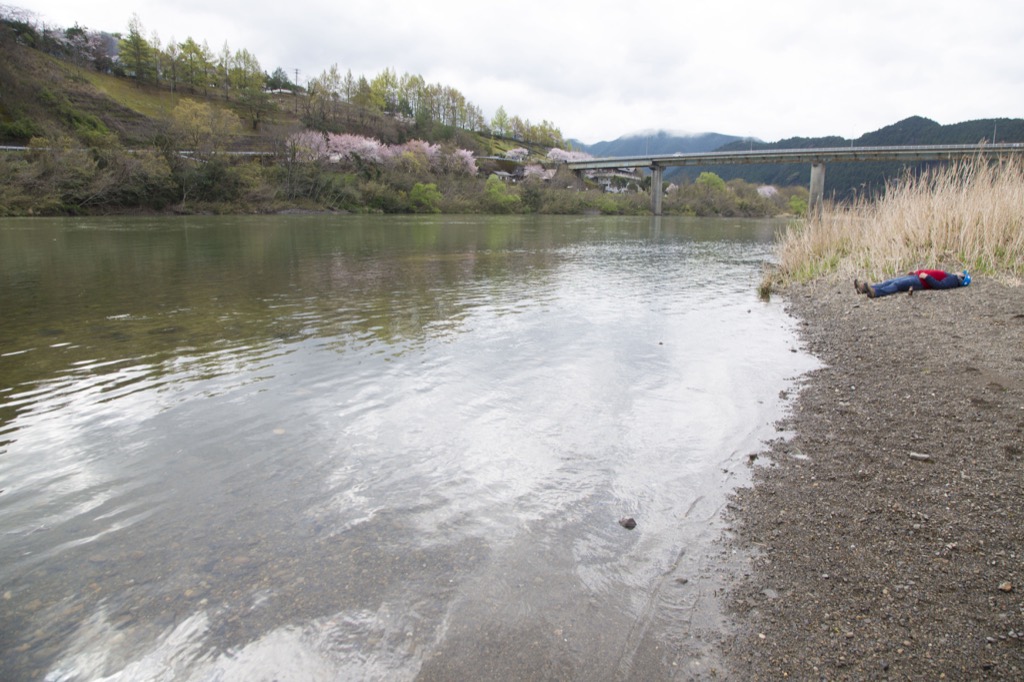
427	153
351	147
563	156
307	146
412	156
465	162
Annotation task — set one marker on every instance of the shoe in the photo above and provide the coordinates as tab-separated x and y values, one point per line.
868	290
856	286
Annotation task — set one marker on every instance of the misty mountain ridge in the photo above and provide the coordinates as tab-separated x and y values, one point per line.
841	179
657	142
915	130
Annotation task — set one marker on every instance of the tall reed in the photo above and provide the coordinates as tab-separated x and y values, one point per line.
965	215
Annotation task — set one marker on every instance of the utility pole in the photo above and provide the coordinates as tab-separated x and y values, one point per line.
295	92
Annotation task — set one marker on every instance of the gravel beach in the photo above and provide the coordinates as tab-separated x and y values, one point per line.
885	538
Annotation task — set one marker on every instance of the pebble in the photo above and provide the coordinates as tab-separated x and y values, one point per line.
627	522
1006	586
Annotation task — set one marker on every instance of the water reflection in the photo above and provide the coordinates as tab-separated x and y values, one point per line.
375	448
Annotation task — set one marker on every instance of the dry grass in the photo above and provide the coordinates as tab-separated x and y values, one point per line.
968	215
151	102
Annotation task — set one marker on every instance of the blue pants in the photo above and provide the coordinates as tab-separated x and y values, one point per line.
897	284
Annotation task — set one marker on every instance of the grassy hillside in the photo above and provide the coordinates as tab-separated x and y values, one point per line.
51	98
47	97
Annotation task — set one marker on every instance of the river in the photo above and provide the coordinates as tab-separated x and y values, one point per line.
376	448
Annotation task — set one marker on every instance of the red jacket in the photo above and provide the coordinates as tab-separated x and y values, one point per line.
938	275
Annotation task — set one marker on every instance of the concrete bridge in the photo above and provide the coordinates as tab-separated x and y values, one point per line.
816	157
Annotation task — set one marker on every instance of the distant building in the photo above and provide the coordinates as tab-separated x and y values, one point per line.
615	180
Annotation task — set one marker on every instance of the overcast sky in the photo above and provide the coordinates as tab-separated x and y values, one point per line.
602	69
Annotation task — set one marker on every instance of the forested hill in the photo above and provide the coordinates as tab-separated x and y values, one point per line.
656	142
78	83
844	179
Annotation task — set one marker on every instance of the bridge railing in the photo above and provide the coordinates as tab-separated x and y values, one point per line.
819	154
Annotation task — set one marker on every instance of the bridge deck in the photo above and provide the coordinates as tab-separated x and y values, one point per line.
944	152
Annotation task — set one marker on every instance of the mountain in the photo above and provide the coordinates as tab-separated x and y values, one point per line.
657	142
845	179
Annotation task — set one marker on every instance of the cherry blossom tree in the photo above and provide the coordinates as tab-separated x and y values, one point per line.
563	156
347	147
465	161
534	170
307	146
417	156
414	156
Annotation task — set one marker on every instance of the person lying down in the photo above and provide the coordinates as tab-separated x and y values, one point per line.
913	281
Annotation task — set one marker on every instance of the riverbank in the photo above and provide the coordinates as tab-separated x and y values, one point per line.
886	537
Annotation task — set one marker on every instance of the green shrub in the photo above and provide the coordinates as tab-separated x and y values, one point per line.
425	198
381	197
19	130
532	195
797	206
497	197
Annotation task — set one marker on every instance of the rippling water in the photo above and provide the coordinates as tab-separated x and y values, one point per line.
322	448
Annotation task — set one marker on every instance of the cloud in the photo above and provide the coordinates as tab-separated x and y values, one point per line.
596	70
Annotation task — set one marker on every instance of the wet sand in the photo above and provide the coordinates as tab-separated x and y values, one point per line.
885	539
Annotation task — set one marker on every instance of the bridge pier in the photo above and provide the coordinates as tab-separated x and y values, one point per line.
817	188
656	192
